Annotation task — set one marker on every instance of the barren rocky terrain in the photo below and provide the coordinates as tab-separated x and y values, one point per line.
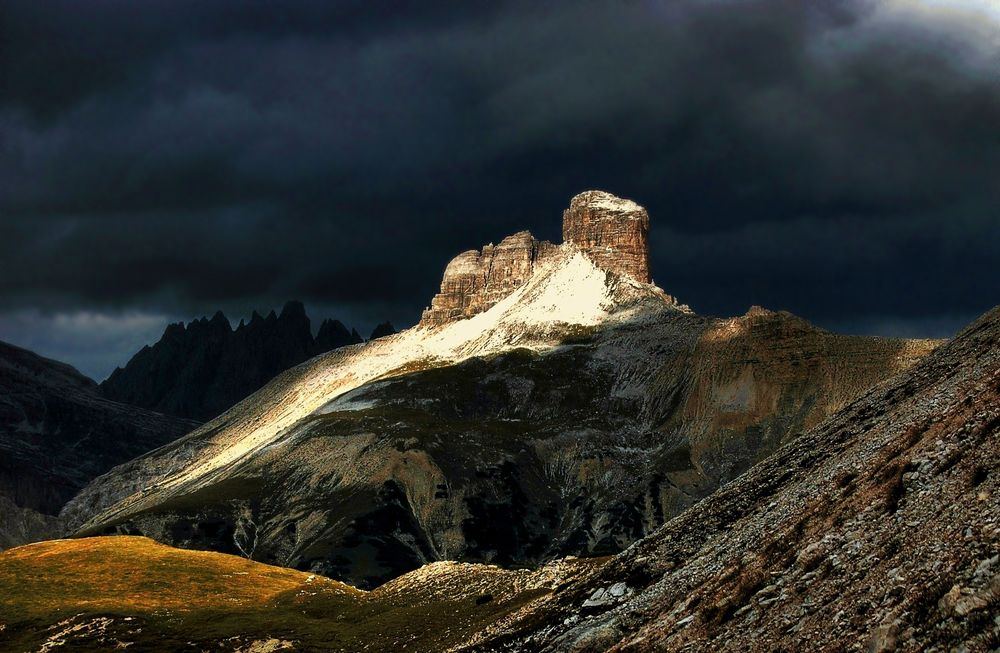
878	530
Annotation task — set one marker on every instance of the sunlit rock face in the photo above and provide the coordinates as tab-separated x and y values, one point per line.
475	281
611	230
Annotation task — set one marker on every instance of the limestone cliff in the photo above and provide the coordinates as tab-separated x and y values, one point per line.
610	230
475	281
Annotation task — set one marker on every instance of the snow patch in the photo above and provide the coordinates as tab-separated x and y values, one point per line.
352	401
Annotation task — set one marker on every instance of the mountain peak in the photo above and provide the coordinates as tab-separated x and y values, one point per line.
382	330
611	231
603	200
220	319
200	371
333	334
293	309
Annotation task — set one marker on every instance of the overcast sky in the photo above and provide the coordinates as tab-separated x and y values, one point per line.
163	159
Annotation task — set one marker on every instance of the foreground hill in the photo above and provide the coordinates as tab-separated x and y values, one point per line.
106	593
56	434
879	530
551	402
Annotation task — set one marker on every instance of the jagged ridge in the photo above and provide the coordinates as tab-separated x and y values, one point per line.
200	370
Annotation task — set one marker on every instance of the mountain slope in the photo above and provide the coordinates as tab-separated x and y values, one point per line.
561	408
877	530
56	434
200	370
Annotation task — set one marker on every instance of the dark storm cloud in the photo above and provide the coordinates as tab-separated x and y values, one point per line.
839	160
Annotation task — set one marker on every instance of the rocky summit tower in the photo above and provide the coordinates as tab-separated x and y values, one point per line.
610	230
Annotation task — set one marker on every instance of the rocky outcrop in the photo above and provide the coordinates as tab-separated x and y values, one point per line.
56	434
200	370
475	281
610	230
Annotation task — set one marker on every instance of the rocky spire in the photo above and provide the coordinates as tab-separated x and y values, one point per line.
612	231
474	281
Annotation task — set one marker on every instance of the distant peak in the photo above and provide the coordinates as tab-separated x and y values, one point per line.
220	318
332	324
293	309
333	334
382	330
174	329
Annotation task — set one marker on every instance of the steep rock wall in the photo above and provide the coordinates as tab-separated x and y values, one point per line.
610	230
475	281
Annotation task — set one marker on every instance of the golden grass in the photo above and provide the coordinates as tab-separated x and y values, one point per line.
136	574
156	597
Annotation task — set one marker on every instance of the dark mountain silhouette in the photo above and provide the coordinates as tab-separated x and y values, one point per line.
200	370
382	330
333	334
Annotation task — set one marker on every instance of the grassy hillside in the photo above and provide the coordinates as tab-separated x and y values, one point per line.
107	592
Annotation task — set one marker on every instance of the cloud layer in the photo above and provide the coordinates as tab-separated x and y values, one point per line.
835	159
